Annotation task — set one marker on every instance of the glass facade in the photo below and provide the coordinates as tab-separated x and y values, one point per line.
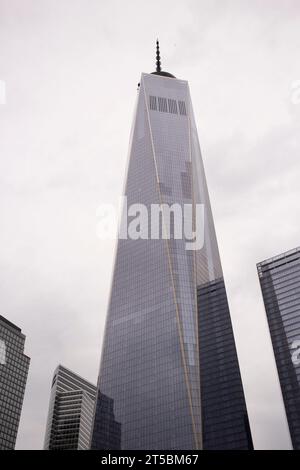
14	367
151	364
70	415
225	418
280	284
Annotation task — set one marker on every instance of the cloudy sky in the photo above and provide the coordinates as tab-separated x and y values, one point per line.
71	69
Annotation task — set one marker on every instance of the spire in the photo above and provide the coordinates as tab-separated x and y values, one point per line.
158	64
158	70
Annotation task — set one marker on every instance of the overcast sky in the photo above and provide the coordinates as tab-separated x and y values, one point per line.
71	69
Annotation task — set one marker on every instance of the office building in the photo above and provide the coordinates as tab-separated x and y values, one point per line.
14	365
70	414
169	364
280	284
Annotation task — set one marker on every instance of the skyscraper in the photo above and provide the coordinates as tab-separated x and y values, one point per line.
169	363
14	367
280	284
70	413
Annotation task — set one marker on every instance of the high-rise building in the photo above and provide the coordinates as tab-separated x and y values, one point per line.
280	284
70	415
169	364
14	367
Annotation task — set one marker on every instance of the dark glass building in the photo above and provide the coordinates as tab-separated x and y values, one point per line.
224	413
280	284
106	429
14	367
169	365
70	415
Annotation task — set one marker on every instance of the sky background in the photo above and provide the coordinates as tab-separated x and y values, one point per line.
71	69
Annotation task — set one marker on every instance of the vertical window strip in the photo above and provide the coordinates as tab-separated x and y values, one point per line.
162	104
172	106
167	105
153	103
182	108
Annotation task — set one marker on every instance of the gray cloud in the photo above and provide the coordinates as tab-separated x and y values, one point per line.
71	71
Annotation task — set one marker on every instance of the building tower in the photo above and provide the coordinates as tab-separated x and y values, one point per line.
280	284
169	363
14	367
70	415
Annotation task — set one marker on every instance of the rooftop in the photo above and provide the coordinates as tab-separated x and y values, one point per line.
12	325
282	257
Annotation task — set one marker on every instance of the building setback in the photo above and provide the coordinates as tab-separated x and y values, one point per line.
70	415
169	364
280	284
14	365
